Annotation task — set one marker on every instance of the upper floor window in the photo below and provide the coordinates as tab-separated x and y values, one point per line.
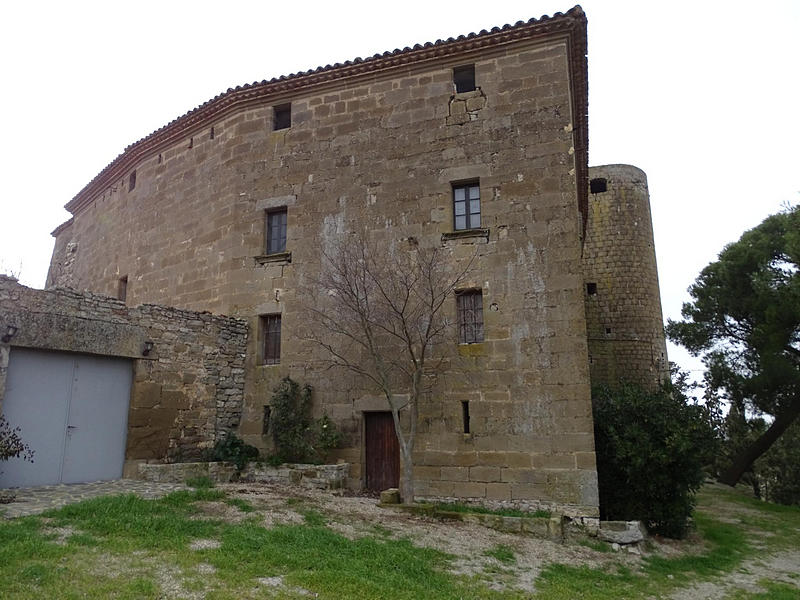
598	185
132	180
470	316
282	117
276	231
464	78
466	206
271	337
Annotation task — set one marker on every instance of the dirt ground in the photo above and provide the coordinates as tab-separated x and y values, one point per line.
358	516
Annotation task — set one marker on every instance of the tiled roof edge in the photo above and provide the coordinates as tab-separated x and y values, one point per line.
572	22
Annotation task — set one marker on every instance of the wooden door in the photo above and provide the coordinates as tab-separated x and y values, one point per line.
382	452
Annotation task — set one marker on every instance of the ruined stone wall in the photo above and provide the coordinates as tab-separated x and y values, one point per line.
186	392
624	323
378	155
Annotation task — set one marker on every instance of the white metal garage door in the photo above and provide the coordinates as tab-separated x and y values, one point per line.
73	412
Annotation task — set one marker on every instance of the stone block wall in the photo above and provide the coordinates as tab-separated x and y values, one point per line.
377	153
625	327
185	392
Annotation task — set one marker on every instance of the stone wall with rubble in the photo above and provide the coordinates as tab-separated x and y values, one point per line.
377	154
624	323
185	392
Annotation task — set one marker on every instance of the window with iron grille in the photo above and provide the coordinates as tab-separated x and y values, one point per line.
276	231
466	206
271	332
470	316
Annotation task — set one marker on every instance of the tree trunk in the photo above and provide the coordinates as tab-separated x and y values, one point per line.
406	477
747	457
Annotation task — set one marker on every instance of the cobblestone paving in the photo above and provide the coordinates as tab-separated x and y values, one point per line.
34	500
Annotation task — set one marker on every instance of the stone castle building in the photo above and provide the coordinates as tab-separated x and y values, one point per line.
476	145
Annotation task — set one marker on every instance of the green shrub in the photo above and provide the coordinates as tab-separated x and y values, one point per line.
651	450
231	448
11	444
297	438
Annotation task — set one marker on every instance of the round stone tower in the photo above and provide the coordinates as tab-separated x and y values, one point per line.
624	324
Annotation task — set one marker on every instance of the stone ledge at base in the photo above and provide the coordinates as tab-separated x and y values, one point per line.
621	532
324	477
547	528
218	472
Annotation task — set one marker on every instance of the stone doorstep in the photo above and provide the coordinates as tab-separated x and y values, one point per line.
622	532
547	528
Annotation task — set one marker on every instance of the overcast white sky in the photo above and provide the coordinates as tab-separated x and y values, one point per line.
704	96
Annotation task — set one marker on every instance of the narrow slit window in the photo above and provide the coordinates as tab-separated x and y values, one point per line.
464	78
282	117
470	316
465	415
591	289
271	328
267	416
132	180
122	288
211	135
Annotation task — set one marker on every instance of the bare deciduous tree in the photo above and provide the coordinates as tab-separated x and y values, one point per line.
380	313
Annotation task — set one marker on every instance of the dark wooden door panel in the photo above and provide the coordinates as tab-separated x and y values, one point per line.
382	452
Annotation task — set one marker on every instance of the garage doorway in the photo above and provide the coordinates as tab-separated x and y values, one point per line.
72	410
382	452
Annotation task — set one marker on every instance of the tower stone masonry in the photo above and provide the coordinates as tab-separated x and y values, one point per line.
477	146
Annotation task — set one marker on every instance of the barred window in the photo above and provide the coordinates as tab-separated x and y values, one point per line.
466	206
470	316
271	332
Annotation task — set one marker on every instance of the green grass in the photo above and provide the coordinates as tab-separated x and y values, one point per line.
596	545
201	481
125	546
242	505
726	546
505	554
772	591
505	512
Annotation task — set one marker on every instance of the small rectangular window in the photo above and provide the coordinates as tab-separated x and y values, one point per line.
122	288
464	78
276	231
266	419
282	118
465	415
598	185
591	289
271	336
466	206
132	180
470	316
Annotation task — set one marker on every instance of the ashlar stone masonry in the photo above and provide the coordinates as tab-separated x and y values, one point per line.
379	148
186	392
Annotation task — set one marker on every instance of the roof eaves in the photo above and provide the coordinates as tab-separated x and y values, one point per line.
572	22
